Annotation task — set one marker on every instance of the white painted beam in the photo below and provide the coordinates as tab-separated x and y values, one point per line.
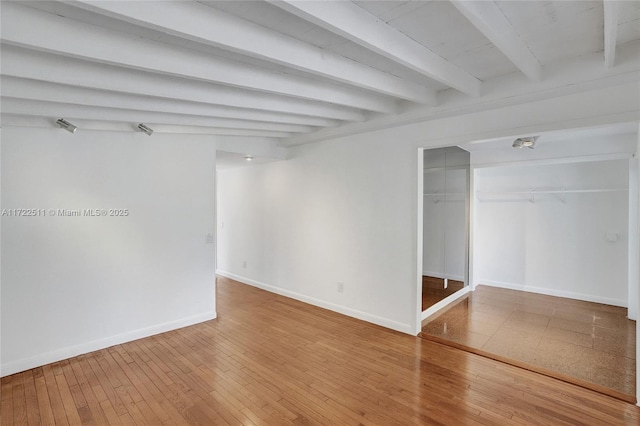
487	17
610	32
27	27
40	66
19	120
197	22
21	88
358	25
59	109
566	78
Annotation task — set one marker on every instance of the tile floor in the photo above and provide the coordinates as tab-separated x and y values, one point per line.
589	341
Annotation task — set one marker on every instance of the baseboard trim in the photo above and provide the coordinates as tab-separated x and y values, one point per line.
552	292
364	316
84	348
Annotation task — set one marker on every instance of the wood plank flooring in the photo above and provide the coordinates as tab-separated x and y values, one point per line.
269	360
433	290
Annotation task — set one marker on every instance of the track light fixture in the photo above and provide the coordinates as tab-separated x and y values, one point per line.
66	125
148	130
528	142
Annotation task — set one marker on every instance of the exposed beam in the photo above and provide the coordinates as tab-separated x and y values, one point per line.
358	25
511	92
20	120
55	34
487	17
34	65
610	32
59	109
203	24
16	87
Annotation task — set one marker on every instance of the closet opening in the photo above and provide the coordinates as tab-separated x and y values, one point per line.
552	257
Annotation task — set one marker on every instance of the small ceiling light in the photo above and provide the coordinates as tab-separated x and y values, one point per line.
66	125
528	142
248	157
148	130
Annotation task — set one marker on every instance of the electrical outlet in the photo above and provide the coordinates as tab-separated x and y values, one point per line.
208	239
244	264
340	287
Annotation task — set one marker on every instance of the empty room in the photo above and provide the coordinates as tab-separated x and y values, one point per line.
319	212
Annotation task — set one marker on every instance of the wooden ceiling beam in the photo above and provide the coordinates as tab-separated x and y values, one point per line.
610	32
22	88
203	24
487	17
350	21
59	109
38	66
51	33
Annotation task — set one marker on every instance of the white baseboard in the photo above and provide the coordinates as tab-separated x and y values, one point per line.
554	292
364	316
431	310
84	348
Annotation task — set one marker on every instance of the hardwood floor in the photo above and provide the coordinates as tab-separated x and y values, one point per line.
433	290
268	360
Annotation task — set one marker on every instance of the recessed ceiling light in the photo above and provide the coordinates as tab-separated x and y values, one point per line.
248	157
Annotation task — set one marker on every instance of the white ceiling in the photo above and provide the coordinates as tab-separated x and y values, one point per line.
287	69
231	160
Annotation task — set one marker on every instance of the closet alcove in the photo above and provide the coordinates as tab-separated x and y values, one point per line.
445	263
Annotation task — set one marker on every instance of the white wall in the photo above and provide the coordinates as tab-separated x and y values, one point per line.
336	212
444	224
346	209
557	244
75	284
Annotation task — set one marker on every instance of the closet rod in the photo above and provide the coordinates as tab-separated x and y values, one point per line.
553	191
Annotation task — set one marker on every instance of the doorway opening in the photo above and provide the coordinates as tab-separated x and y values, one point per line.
445	225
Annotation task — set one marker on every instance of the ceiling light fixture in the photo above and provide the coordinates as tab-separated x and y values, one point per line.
528	142
66	125
248	157
148	130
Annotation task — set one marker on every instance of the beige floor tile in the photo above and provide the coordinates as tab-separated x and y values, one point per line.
582	339
492	317
496	310
567	336
513	344
562	363
583	317
466	337
484	327
620	347
614	379
608	320
535	308
530	318
565	324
